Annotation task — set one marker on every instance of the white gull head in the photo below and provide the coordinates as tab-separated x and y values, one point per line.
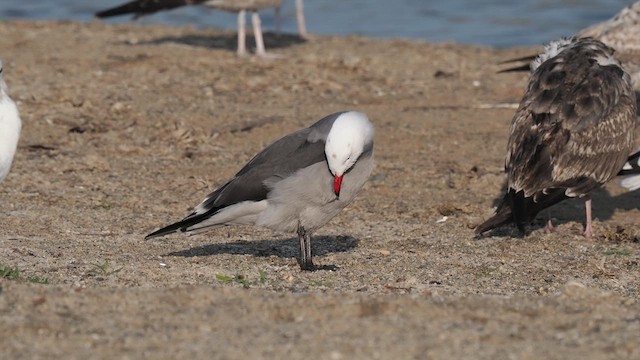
350	135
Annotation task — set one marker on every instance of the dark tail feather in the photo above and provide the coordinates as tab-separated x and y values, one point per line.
141	7
181	225
503	216
521	68
521	210
525	67
632	165
527	58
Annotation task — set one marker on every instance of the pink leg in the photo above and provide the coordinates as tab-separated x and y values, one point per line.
257	33
588	230
302	27
549	227
242	46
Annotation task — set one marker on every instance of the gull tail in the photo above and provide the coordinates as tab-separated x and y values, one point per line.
631	172
521	210
181	225
142	7
503	216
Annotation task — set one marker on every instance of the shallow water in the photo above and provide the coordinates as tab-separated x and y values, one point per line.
496	22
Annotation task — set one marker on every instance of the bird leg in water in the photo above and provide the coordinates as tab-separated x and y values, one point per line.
302	27
549	226
305	261
588	230
242	47
257	33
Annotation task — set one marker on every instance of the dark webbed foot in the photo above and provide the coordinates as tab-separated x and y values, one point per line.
308	266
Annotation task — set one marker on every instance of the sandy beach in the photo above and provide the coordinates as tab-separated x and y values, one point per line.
127	127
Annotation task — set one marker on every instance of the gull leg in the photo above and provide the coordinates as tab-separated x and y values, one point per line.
305	261
549	227
302	27
588	230
257	33
242	45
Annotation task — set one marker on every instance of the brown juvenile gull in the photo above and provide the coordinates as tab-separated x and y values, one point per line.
298	183
10	126
572	132
145	7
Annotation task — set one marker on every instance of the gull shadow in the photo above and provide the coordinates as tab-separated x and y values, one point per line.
229	42
603	204
284	248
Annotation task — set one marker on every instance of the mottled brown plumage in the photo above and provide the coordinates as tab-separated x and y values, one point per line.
572	132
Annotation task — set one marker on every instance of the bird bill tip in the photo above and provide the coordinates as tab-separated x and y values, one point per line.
337	184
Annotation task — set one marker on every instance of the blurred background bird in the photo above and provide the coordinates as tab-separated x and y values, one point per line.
145	7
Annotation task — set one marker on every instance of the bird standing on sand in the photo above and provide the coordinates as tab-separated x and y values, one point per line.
10	126
146	7
571	134
298	183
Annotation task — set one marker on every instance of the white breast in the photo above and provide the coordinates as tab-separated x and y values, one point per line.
10	126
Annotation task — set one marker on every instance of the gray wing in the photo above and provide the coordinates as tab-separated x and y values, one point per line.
280	159
145	7
252	183
574	127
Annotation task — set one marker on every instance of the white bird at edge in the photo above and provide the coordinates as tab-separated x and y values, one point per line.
10	126
297	183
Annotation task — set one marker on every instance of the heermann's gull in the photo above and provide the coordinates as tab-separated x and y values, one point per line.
10	125
298	183
146	7
571	134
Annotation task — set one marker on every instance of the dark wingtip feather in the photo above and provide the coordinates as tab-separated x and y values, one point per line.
181	225
144	7
165	230
503	216
526	67
520	210
117	11
633	161
527	58
522	68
